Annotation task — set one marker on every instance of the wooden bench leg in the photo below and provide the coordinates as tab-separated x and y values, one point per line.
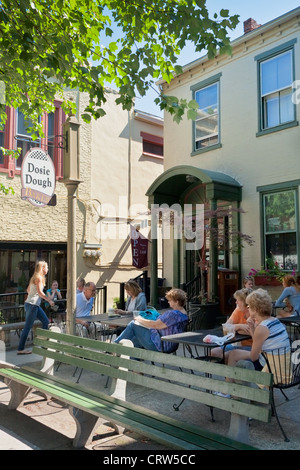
239	428
239	425
18	393
85	423
5	337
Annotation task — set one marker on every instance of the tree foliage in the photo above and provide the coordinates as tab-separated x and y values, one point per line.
46	47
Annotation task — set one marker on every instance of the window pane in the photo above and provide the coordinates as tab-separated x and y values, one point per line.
206	124
286	106
276	73
23	124
280	228
271	110
154	149
207	98
205	127
283	249
280	211
50	134
26	142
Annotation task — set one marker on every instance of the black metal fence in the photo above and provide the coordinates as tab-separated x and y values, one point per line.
12	304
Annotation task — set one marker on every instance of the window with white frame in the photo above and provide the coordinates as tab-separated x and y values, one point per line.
276	78
206	125
280	227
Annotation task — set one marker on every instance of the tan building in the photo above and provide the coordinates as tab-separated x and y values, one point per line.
119	155
242	150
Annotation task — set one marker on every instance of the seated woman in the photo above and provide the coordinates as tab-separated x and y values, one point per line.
248	282
54	294
136	299
291	296
267	332
147	334
239	319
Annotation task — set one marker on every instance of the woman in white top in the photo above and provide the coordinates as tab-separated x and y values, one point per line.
32	307
268	333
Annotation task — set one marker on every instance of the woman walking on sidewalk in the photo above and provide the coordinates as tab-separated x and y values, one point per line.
32	307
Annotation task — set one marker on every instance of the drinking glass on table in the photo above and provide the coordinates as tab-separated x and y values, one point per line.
228	328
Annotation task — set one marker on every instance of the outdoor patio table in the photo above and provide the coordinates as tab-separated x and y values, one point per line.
192	340
106	319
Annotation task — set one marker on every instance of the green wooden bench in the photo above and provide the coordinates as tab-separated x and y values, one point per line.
166	373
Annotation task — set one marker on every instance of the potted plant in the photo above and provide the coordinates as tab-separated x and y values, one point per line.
271	275
116	302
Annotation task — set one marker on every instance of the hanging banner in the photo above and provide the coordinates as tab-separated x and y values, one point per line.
37	177
139	247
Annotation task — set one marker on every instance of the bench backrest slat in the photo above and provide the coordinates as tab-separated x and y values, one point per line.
100	357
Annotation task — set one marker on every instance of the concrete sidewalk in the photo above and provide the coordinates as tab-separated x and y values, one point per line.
54	428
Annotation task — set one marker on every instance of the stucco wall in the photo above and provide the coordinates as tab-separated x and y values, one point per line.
251	160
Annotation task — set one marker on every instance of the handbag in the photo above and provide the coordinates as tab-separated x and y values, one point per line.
149	314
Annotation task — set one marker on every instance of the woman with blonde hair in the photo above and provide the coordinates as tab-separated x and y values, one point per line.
238	319
268	333
32	307
289	298
136	299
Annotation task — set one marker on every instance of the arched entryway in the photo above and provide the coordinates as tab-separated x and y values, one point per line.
187	186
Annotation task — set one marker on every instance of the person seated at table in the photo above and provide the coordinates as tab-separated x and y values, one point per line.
80	285
54	294
267	332
239	319
84	303
289	299
136	299
248	282
146	334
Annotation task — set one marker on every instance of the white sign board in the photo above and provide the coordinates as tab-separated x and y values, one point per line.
37	177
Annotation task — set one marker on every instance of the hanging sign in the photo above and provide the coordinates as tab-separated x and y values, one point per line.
37	177
139	247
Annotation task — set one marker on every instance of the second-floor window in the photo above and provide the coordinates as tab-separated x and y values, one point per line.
17	134
276	76
153	145
206	132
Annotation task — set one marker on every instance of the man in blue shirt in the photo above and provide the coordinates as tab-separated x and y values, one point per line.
84	303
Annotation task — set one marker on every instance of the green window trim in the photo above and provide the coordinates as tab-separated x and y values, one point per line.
266	236
195	88
260	58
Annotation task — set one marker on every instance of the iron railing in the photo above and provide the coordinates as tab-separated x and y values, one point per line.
12	304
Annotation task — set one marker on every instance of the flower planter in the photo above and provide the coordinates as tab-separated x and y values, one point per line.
266	281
